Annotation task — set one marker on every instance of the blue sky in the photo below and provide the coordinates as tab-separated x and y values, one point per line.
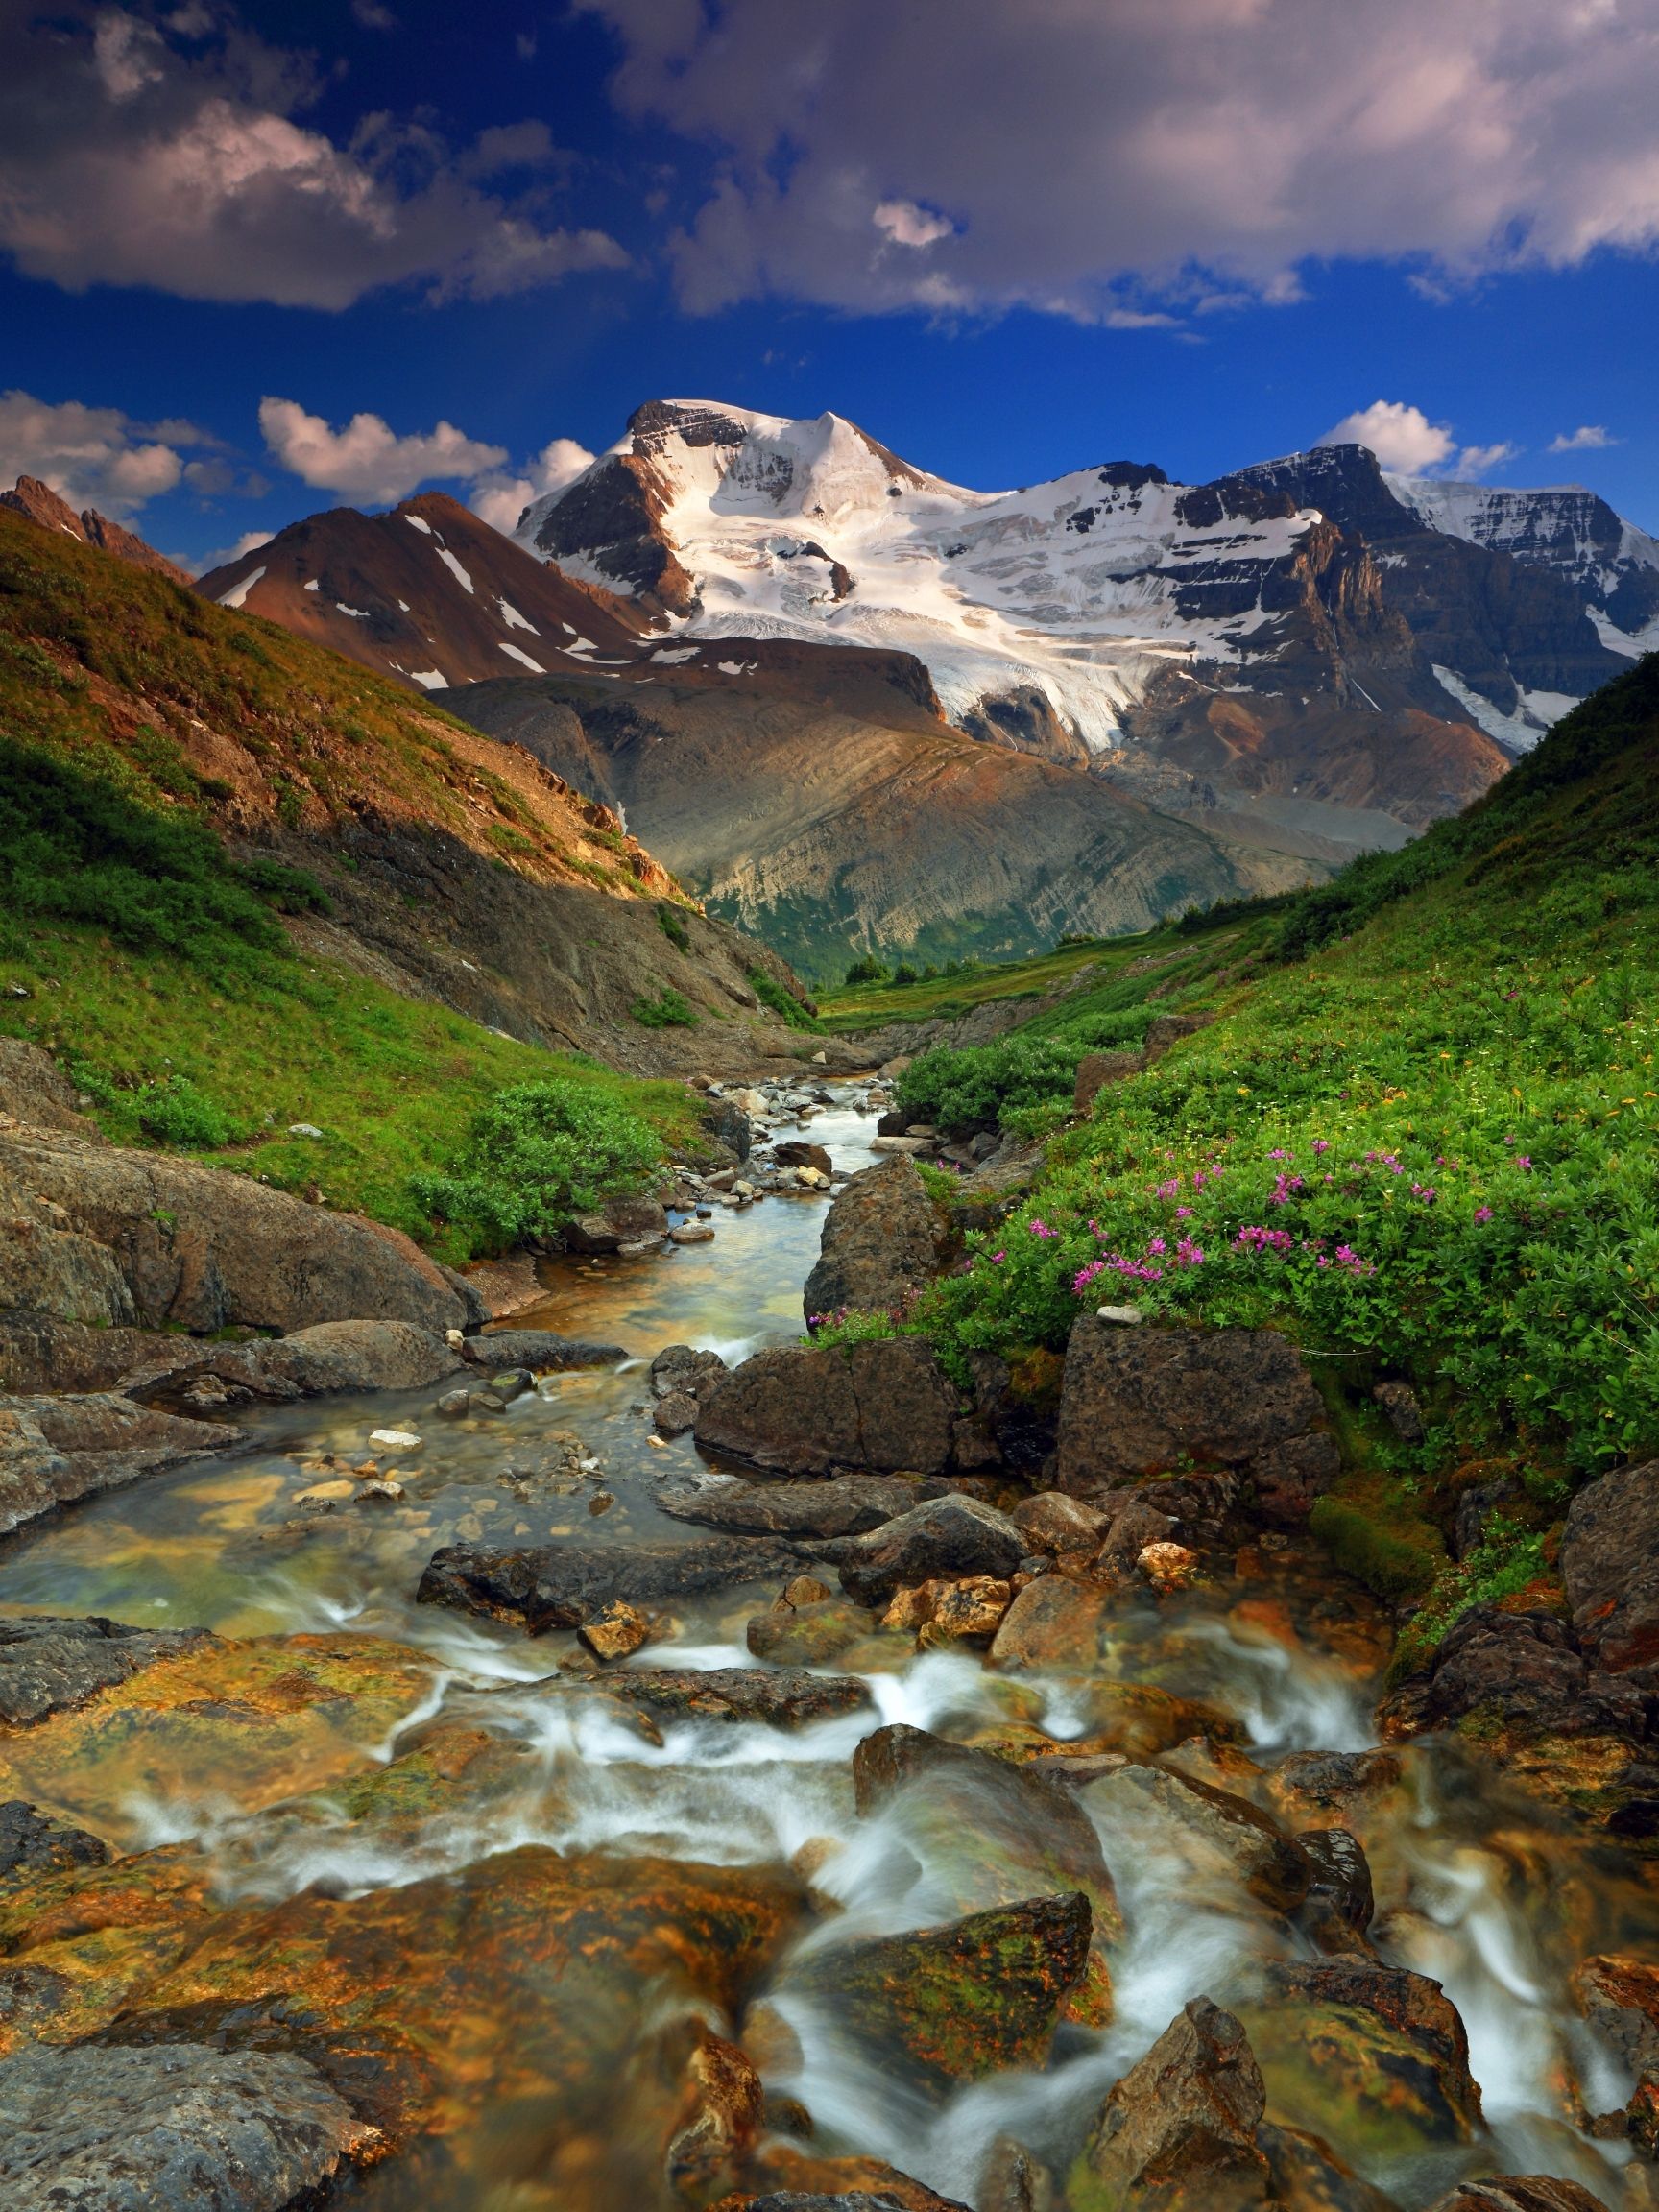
1008	236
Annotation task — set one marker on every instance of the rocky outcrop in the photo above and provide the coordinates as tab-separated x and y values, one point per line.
43	505
332	1356
1521	2193
845	1507
639	1220
35	1090
562	1586
1178	2132
881	1406
540	1350
57	1451
1526	1672
782	1697
884	1241
51	1664
32	1843
93	1232
193	2128
948	2005
1610	1566
1137	1401
943	1539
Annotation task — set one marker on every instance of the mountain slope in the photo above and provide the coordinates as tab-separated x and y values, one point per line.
457	870
428	595
40	504
824	827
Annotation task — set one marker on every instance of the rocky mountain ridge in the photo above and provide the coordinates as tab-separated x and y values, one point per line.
30	496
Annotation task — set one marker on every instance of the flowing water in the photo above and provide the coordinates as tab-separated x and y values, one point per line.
1475	1888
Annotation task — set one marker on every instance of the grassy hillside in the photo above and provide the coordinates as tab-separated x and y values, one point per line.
139	729
195	708
1424	1137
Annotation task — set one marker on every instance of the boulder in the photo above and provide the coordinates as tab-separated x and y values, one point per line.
884	1241
728	1122
40	1353
1619	1998
989	1832
1051	1522
948	2005
1332	1788
331	1356
99	1233
1610	1566
1168	1029
794	1153
1359	2051
1178	2132
719	2118
55	1450
1521	2193
1096	1071
880	1405
1525	1671
1401	1410
541	1350
1218	1837
843	1505
782	1697
35	1092
1137	1402
683	1371
562	1586
50	1664
946	1539
181	2126
1054	1622
629	1221
1308	2175
1341	1877
807	1634
32	1843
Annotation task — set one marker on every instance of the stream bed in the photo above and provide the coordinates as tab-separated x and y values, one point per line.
556	2029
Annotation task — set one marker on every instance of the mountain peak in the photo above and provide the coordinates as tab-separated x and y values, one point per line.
43	505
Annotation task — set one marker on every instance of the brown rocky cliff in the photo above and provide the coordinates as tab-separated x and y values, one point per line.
43	505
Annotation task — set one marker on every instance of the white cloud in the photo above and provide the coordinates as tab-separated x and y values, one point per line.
92	456
500	499
166	153
906	224
1402	437
1080	143
367	460
249	542
1480	460
1588	437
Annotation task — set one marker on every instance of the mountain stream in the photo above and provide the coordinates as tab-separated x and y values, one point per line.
566	2094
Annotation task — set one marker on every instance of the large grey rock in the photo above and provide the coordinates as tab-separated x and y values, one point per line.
39	1351
948	1537
847	1506
331	1356
32	1843
1610	1565
560	1586
781	1696
539	1349
884	1241
1526	1670
1211	1833
618	1221
881	1406
97	1233
50	1664
176	2127
55	1450
35	1090
1137	1402
1178	2132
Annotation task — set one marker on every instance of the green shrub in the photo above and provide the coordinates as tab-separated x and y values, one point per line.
852	1325
537	1155
176	1113
866	969
74	847
668	1010
668	920
784	1003
964	1088
904	973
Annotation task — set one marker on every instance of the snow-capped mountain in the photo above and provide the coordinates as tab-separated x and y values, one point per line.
1096	615
1611	565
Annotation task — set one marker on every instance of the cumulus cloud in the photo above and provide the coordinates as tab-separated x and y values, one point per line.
1089	154
499	498
1405	441
908	224
93	456
1588	437
166	152
1402	437
367	460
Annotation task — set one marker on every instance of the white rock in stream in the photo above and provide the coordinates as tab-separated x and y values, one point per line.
395	1440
